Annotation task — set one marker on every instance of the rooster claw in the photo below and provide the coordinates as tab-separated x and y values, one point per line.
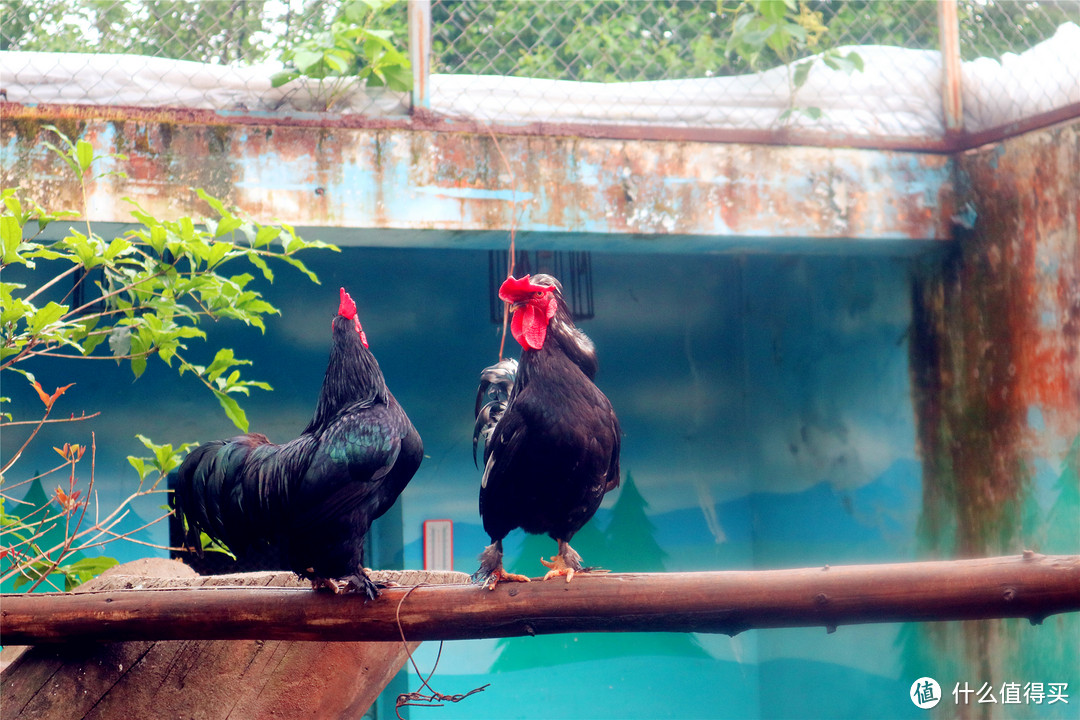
348	585
491	581
558	567
325	585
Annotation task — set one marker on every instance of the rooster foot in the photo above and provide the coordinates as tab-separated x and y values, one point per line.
347	585
566	562
360	582
491	571
325	584
558	567
501	575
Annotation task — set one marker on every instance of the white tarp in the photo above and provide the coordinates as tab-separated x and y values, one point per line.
897	94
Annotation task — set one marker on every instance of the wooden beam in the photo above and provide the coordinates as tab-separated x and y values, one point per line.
206	679
1031	586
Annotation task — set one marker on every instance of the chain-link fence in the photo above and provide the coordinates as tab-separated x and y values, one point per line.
866	68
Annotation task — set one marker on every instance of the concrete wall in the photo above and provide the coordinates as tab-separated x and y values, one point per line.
626	194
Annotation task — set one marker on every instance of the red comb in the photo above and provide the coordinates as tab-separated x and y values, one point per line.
516	289
347	308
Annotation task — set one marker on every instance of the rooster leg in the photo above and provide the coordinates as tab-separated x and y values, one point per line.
360	582
328	584
566	562
491	571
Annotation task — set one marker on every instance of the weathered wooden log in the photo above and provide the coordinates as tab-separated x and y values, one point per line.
198	679
1030	586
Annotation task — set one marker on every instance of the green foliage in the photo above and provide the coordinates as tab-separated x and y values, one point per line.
788	29
163	460
601	41
352	49
74	574
151	287
207	31
127	298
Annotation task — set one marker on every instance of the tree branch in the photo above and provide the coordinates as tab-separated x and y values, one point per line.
1030	586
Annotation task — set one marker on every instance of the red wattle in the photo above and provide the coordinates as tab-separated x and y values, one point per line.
529	327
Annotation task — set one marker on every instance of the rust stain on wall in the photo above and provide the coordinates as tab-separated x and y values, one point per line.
995	367
998	336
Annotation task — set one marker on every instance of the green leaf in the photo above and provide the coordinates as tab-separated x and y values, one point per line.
158	237
232	410
335	62
802	72
187	229
302	268
281	78
63	155
84	155
261	264
117	247
83	569
399	78
45	316
92	341
305	60
266	235
773	10
11	236
138	365
13	205
217	205
210	544
32	573
140	466
227	225
223	360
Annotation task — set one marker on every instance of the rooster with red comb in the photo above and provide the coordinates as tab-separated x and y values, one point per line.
551	437
311	499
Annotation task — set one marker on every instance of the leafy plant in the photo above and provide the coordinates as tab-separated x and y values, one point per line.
352	50
787	28
153	286
144	293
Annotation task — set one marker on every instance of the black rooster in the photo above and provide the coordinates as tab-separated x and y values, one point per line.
551	438
312	499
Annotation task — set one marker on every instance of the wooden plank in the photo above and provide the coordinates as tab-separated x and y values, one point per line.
1032	586
199	679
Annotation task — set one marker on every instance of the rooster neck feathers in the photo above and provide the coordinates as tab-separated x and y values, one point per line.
352	375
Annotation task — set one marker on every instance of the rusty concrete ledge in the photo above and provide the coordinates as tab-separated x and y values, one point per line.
740	195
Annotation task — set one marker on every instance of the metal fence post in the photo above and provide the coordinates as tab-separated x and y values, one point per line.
951	79
420	51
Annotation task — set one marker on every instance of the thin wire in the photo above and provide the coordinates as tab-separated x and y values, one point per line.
417	698
513	230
